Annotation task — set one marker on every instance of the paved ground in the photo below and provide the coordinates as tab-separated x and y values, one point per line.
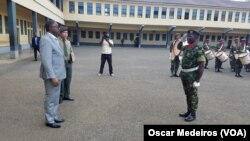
115	108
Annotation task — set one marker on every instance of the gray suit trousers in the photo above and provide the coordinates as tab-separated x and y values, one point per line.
51	102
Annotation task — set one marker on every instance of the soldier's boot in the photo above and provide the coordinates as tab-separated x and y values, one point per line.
191	117
184	114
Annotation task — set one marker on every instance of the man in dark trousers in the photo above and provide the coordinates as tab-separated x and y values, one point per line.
107	45
35	45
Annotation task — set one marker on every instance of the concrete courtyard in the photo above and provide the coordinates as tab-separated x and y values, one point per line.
115	108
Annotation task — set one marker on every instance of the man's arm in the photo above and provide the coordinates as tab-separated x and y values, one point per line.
199	71
110	44
101	41
46	58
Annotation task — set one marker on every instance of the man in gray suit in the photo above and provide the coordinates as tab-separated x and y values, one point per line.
52	71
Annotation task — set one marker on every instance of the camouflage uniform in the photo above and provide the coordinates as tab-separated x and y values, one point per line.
190	59
232	58
218	63
206	48
238	64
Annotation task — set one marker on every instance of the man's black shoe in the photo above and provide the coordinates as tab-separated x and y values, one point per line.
68	98
59	120
175	75
190	117
53	125
184	114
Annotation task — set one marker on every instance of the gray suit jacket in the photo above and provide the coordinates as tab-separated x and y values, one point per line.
52	58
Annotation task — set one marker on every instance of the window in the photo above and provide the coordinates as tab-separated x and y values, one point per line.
207	37
131	36
156	12
107	10
80	8
186	16
230	16
124	10
151	37
194	15
171	13
148	11
25	27
223	16
17	21
118	35
216	15
237	16
140	11
90	34
97	35
71	7
249	17
132	11
83	34
213	38
98	9
112	35
90	8
157	37
7	25
164	13
1	25
201	38
21	24
209	15
125	36
164	37
115	10
218	37
145	36
202	13
243	18
179	13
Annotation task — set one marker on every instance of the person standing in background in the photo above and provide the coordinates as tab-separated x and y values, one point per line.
67	49
35	45
107	45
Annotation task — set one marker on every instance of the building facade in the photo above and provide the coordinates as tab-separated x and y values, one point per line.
153	22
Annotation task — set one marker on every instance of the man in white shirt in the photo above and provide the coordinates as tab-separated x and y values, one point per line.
106	44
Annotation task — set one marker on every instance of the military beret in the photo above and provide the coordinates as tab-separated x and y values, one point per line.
193	33
63	28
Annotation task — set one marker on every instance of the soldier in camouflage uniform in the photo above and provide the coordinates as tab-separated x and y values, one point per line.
218	63
231	54
191	73
175	61
206	48
240	49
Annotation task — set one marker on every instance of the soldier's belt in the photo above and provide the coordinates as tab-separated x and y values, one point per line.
190	70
